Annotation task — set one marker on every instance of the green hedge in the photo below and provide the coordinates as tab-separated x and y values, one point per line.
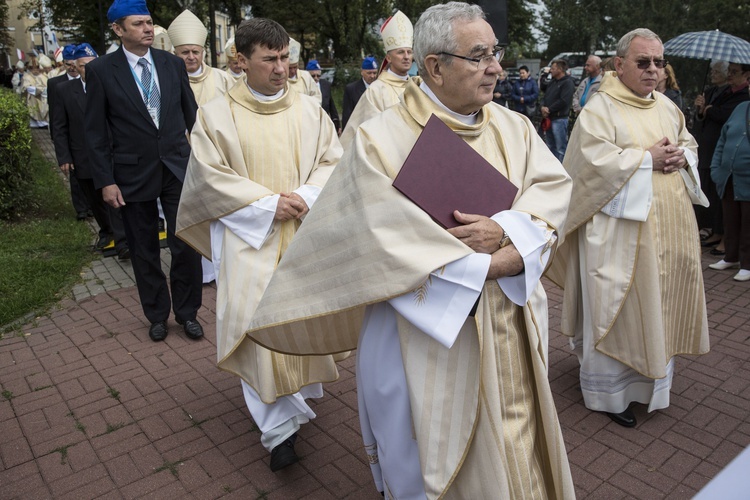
15	153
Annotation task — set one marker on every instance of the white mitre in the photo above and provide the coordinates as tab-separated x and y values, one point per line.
161	39
230	49
294	50
187	29
397	32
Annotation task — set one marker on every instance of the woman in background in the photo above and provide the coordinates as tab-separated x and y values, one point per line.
667	85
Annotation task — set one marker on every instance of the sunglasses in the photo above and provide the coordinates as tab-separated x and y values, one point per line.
646	63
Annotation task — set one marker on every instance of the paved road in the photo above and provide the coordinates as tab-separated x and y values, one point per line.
92	408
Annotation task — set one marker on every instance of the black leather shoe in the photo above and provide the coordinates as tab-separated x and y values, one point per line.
103	242
81	216
625	419
123	254
284	455
192	328
158	331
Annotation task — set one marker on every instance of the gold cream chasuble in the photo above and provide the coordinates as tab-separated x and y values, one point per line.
244	150
211	83
379	96
644	279
37	102
365	243
304	84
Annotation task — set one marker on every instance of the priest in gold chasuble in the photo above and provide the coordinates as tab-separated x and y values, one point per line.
398	37
260	156
453	403
631	262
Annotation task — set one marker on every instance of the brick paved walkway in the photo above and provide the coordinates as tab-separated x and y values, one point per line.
91	408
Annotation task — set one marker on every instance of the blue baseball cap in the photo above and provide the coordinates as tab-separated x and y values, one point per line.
312	65
123	8
68	51
84	50
370	63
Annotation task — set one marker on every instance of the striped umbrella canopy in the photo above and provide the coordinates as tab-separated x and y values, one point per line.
714	45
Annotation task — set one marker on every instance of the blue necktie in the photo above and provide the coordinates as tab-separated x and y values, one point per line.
151	96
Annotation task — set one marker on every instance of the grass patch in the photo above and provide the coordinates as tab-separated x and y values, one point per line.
63	450
171	467
42	253
114	427
42	388
114	393
7	395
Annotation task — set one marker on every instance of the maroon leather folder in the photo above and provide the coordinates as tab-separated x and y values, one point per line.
442	174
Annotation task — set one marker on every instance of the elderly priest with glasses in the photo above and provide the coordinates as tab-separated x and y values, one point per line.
631	261
450	324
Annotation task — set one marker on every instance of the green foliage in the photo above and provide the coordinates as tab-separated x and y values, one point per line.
43	250
15	150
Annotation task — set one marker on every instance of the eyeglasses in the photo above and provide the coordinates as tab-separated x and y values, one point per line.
483	62
646	63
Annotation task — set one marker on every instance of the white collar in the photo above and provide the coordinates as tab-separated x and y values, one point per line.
465	119
133	59
266	98
197	73
404	78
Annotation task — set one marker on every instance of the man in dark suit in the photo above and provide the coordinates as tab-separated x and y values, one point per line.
325	89
72	157
354	90
80	202
140	109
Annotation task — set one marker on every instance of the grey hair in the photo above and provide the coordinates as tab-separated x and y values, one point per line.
597	59
433	32
721	66
624	44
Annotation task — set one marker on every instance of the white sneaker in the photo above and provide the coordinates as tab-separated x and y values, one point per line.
743	275
722	265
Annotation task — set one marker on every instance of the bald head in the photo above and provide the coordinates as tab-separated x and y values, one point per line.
593	66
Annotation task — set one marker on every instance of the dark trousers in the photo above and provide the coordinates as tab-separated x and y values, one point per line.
108	217
141	221
736	228
80	204
710	217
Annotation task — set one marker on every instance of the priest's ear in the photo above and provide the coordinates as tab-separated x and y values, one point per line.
434	66
242	60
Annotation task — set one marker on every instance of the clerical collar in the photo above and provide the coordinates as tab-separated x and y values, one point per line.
236	75
404	78
73	77
465	119
197	73
266	98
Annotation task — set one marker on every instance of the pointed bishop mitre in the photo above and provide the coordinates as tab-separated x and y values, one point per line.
230	49
187	29
397	32
294	50
161	39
